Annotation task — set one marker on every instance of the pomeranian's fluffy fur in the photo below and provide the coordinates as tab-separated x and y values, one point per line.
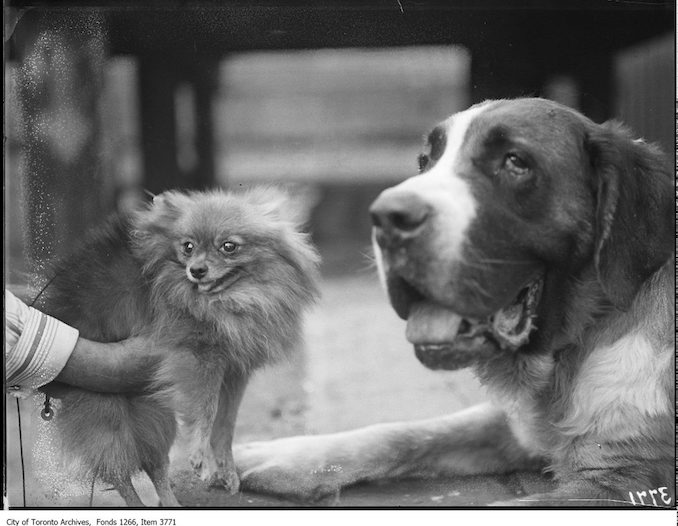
218	281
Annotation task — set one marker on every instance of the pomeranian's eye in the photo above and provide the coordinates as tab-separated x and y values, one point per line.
229	247
187	248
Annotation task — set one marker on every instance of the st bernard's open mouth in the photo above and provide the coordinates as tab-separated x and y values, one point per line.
444	340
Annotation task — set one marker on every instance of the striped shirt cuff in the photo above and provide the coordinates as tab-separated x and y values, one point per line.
37	346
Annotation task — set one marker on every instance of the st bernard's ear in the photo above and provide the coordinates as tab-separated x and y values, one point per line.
634	231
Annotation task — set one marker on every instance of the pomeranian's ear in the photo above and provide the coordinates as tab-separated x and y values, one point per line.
161	212
634	229
169	202
292	205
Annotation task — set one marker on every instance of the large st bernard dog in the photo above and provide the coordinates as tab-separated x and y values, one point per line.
537	248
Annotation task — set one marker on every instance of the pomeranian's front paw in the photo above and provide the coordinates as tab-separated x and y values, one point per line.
204	464
227	479
208	469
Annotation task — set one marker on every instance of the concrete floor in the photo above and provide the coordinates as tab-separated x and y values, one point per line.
357	369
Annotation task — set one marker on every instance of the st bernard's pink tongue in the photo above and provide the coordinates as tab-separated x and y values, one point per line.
429	323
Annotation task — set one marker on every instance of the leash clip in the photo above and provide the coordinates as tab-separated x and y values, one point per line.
47	412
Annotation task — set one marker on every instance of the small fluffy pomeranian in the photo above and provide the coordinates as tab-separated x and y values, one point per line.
219	282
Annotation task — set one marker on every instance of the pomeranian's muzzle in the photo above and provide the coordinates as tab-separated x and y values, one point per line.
196	273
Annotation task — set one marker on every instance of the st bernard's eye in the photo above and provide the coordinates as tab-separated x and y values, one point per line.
229	247
187	248
515	164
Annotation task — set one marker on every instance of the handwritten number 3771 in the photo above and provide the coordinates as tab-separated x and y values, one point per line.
663	494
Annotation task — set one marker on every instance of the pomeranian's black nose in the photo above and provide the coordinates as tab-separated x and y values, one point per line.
398	215
198	272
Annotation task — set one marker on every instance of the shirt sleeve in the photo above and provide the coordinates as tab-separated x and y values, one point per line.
37	346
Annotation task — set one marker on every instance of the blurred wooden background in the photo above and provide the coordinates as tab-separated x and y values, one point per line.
102	103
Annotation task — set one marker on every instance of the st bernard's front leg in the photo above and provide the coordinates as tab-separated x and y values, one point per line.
474	441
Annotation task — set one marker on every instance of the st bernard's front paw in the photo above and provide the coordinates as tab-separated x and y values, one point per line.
297	468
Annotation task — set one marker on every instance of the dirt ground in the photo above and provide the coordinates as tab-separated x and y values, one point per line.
356	369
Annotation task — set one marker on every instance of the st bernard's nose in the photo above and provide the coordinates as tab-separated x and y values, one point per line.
398	215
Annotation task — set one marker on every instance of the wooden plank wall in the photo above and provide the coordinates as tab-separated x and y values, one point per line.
644	76
350	116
